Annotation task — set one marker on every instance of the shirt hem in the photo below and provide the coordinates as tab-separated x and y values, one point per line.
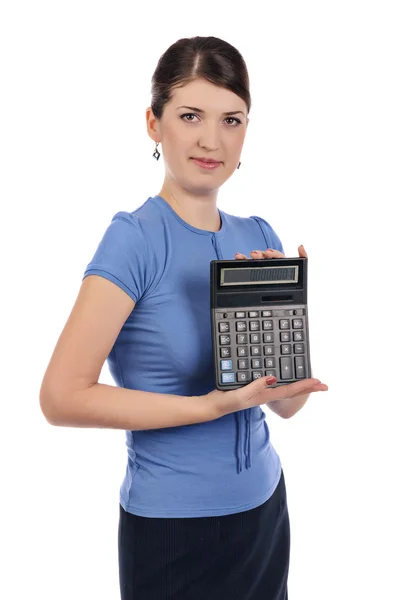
209	512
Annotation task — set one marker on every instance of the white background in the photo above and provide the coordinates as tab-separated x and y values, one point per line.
319	163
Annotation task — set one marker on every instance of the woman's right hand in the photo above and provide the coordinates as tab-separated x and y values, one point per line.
260	391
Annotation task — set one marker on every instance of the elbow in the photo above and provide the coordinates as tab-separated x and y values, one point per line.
53	406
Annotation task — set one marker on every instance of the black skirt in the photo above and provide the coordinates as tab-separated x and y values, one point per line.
243	556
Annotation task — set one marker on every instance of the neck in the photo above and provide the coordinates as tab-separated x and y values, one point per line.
197	210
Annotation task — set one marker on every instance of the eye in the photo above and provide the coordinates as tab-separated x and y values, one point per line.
235	120
188	115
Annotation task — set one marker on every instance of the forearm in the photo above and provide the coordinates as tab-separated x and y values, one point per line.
288	407
105	406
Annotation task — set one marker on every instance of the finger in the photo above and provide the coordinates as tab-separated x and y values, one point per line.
239	256
290	390
269	253
302	252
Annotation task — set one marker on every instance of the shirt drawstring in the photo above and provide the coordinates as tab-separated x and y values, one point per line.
242	417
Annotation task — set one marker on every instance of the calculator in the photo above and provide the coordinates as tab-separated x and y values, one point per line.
259	320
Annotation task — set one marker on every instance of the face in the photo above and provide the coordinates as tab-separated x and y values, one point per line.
200	121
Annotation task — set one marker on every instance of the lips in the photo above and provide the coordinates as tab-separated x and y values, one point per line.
207	160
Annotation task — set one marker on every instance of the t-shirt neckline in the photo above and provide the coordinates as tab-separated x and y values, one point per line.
162	202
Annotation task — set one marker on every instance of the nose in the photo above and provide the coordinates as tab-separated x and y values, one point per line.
209	136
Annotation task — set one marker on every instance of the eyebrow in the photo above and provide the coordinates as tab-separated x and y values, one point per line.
199	110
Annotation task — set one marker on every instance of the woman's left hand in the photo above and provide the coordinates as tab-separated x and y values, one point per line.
269	253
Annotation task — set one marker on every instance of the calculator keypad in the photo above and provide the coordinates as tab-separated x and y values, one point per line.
254	343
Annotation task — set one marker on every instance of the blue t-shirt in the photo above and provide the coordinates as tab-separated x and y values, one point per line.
219	467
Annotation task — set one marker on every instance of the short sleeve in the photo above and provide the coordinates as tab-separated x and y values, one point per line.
122	256
270	237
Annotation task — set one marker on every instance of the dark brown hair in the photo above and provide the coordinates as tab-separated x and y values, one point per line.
199	57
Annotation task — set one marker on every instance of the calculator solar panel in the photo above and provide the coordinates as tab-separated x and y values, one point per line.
259	320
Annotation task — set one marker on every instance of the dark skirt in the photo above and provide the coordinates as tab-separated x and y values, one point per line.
243	556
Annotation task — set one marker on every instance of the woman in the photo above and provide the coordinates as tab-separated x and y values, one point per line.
203	511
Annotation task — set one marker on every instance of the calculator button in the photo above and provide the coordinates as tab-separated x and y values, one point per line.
256	363
286	349
269	350
286	367
240	315
298	336
241	338
290	313
225	352
266	313
228	377
244	376
284	324
255	350
226	365
286	336
299	348
255	338
299	312
242	351
253	314
243	363
270	373
300	367
225	339
254	325
270	363
297	323
267	325
241	326
268	338
257	374
223	327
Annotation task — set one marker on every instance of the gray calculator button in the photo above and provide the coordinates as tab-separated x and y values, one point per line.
300	367
298	336
244	376
254	325
225	339
257	374
240	315
270	363
228	377
266	313
223	327
241	338
299	312
225	352
286	349
270	373
242	351
299	348
254	314
256	363
284	324
297	323
267	325
286	336
226	365
255	350
255	338
269	350
243	363
268	338
241	326
286	367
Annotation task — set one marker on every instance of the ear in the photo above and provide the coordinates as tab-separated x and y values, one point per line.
152	125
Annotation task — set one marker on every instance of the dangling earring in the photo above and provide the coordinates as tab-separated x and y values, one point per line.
239	165
156	154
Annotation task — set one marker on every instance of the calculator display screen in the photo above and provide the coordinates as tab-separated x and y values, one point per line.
259	275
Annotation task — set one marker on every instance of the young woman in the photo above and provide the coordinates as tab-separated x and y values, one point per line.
203	512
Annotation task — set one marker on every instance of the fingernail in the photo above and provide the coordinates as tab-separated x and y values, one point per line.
270	380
